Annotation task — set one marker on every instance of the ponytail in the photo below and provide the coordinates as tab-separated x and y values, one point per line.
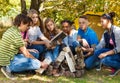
109	16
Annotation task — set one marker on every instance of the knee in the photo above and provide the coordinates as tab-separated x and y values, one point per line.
97	52
36	55
49	56
88	66
40	48
90	62
36	64
75	44
104	61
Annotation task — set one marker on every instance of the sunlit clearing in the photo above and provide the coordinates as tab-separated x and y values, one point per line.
41	78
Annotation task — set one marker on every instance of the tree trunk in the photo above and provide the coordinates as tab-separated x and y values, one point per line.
35	4
23	7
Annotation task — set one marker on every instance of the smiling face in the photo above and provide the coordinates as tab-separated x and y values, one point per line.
50	26
83	23
66	27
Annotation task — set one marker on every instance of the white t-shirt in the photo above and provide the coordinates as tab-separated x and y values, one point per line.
34	33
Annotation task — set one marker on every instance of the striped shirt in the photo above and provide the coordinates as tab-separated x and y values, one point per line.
9	45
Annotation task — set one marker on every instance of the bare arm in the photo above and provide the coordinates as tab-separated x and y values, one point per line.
111	52
47	44
45	39
26	53
38	42
88	54
102	55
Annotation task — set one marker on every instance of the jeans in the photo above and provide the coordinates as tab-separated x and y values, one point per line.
53	53
110	60
74	45
21	63
40	48
91	61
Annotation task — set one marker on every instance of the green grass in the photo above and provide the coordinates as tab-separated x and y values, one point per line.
91	76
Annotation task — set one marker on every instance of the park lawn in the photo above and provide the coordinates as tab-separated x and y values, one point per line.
91	76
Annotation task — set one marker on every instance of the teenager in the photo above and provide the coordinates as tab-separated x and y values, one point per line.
34	52
71	39
69	42
14	57
36	38
109	47
51	31
88	40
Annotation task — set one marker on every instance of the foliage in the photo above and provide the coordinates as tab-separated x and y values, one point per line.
113	5
62	9
70	9
9	7
105	6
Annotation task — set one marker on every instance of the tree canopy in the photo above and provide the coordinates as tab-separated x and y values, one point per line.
60	9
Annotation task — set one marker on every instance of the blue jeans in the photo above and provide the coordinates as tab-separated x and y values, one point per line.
92	60
53	53
89	62
22	63
74	45
40	48
110	60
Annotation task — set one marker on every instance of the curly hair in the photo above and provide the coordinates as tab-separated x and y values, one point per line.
21	18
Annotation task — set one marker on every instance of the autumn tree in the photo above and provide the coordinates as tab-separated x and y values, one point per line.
59	9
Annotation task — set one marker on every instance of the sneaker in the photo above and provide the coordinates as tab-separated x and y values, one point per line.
114	72
98	68
8	74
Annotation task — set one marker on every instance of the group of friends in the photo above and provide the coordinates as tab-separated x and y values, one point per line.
23	45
